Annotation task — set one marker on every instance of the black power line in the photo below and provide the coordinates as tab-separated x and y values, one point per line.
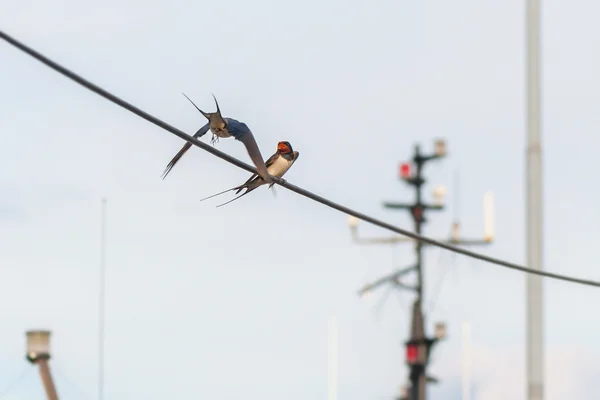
232	160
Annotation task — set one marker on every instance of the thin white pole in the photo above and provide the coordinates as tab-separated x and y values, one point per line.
466	361
534	207
101	300
332	358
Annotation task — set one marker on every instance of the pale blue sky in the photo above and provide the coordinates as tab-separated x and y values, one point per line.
197	306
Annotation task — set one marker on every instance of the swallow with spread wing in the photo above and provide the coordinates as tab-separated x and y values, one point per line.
223	127
277	165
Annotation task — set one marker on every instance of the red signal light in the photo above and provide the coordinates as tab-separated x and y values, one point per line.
405	170
417	212
412	353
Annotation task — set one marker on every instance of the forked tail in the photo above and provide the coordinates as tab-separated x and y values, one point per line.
223	192
241	195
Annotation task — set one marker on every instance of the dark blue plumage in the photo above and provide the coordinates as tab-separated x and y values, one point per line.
223	127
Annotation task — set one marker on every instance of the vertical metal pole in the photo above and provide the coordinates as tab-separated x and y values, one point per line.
332	353
47	379
466	350
101	303
534	210
418	225
418	368
418	324
418	375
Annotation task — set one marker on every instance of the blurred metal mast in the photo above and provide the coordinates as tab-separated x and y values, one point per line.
101	303
419	346
332	358
534	209
466	361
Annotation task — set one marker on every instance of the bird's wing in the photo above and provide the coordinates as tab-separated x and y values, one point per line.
254	177
241	132
201	132
271	160
248	184
250	180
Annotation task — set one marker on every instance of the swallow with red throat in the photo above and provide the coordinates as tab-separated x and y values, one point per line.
277	165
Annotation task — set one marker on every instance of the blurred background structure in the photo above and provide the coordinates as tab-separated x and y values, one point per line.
419	345
535	206
38	353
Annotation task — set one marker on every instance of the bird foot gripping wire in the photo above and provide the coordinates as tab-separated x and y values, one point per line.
214	140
